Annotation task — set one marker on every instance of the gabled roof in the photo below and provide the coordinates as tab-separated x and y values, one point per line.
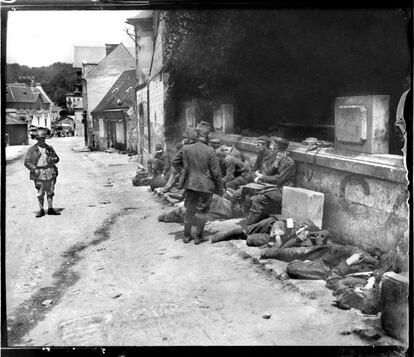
19	92
92	54
22	93
120	52
36	96
12	119
45	97
121	94
89	54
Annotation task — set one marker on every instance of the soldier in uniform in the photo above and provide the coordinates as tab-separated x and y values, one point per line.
176	172
159	164
281	173
237	171
263	142
214	143
202	178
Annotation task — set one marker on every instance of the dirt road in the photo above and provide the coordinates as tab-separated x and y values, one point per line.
106	272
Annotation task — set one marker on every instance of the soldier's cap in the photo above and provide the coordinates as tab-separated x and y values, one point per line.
263	139
203	126
281	141
42	133
189	133
214	141
158	148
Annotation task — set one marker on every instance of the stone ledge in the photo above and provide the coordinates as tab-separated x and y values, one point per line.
383	167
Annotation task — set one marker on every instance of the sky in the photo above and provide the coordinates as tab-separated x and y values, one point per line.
40	38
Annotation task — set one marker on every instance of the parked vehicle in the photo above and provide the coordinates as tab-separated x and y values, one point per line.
63	130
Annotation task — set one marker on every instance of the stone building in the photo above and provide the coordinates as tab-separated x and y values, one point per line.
283	73
73	99
143	25
97	68
115	117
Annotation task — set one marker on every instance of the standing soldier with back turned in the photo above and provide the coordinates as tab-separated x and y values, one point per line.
202	178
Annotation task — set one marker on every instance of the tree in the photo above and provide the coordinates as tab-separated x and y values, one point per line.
56	79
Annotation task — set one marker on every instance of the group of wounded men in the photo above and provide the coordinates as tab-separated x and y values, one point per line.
207	174
210	178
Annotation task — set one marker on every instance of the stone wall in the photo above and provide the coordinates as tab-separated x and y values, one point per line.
156	115
365	195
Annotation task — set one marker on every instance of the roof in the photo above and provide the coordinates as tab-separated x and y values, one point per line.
43	93
12	119
22	93
19	92
92	54
119	55
121	94
89	54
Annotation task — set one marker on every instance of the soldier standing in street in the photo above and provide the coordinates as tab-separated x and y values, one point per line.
202	178
40	160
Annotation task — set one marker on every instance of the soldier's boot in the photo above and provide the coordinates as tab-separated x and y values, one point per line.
199	238
187	233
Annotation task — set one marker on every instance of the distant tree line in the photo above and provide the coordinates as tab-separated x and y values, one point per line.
56	79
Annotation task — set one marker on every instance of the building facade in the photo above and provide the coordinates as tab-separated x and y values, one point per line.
16	129
98	79
115	117
30	103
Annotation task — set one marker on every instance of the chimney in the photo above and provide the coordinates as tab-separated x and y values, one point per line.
109	47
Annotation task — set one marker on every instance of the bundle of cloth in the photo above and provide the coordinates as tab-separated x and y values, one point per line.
276	232
220	208
353	274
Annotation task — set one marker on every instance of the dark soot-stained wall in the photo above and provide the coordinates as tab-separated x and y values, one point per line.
306	58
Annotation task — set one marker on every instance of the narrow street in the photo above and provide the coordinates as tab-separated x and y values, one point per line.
105	272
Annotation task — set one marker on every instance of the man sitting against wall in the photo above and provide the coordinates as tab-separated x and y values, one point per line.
265	153
262	164
281	173
158	168
237	171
